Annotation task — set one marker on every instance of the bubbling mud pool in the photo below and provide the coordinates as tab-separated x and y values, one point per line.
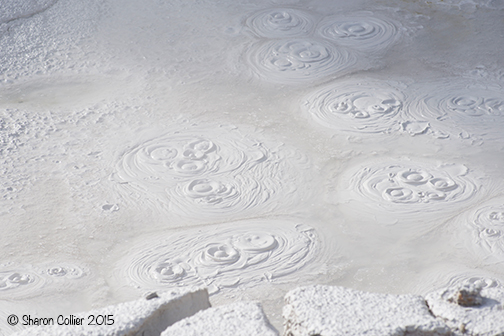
297	60
225	256
360	31
17	281
281	23
251	147
361	106
483	231
460	108
453	277
489	223
340	44
413	187
201	173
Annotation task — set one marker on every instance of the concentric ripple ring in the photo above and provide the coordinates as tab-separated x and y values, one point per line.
293	61
280	23
244	253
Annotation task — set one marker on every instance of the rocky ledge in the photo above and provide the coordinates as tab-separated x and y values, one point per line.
309	311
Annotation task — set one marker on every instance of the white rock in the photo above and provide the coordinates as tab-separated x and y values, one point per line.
146	316
483	316
237	319
331	311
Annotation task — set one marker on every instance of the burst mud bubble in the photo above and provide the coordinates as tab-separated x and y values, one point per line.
244	253
292	61
19	281
408	188
460	107
217	196
63	271
487	226
361	31
281	23
360	106
478	281
212	175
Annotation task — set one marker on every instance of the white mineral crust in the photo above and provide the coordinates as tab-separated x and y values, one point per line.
484	318
147	316
237	319
326	310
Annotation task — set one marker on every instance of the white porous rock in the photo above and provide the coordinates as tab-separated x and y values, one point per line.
331	311
470	310
148	316
237	319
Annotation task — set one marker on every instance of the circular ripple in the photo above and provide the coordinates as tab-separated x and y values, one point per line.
453	107
280	23
244	253
488	224
480	281
490	217
356	106
218	175
19	281
63	271
359	32
256	242
298	60
210	192
465	103
26	281
169	271
163	162
464	312
221	197
412	187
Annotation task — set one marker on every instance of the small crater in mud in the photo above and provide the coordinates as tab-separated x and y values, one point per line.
110	207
